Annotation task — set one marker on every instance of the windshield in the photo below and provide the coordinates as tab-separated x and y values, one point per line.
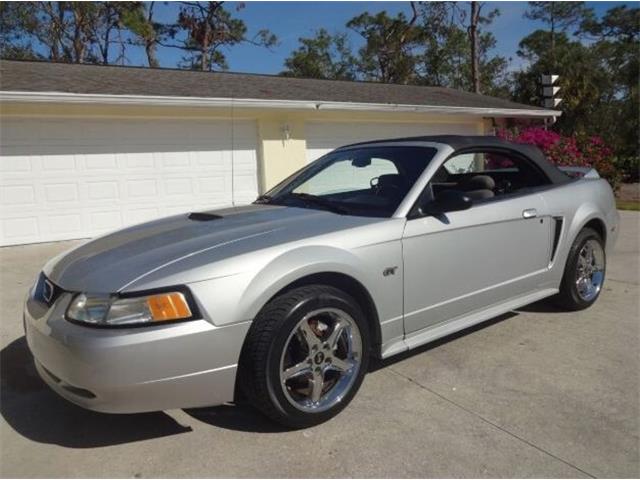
368	181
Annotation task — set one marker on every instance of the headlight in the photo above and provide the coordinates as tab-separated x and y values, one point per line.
125	311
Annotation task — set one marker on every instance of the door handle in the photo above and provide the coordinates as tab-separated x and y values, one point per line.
529	213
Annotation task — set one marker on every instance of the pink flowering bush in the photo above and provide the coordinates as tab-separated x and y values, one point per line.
569	151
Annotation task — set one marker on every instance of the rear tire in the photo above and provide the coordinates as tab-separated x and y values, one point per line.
305	356
584	272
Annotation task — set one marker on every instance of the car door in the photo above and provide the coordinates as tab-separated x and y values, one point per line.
464	261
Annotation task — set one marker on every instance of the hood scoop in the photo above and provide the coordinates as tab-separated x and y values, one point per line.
203	216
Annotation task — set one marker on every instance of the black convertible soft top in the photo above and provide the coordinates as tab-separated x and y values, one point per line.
462	143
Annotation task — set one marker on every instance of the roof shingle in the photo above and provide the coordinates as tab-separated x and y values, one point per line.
26	76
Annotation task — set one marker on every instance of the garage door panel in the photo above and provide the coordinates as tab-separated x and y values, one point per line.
67	164
13	195
137	161
56	193
78	178
101	161
69	224
15	164
19	230
104	221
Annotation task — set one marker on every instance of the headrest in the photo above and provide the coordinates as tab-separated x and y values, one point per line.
480	182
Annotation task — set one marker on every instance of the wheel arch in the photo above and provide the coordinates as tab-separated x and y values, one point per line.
342	281
351	287
597	224
583	219
588	215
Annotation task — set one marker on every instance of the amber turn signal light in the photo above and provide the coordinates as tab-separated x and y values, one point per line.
168	306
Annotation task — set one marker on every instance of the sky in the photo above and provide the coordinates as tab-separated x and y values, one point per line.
294	19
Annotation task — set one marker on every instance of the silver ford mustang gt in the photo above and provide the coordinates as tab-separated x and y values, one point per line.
372	250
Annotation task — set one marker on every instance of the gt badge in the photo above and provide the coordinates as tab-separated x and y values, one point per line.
389	271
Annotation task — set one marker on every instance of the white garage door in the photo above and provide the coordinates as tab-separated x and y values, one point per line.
323	137
75	178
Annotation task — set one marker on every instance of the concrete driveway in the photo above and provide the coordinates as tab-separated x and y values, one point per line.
536	393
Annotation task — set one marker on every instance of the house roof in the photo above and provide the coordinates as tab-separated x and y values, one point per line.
98	80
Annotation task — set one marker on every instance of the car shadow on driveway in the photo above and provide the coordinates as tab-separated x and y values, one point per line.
247	419
34	411
240	417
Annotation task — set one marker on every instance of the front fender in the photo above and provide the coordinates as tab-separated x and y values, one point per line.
295	264
240	296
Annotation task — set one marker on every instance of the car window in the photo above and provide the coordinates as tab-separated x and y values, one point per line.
487	175
367	181
345	176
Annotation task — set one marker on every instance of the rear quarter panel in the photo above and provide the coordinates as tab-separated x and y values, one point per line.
577	203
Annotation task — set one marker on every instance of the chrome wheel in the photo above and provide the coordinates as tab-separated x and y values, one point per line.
321	360
590	270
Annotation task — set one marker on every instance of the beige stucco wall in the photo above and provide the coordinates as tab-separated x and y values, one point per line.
278	155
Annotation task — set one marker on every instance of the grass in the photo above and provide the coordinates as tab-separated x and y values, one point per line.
628	205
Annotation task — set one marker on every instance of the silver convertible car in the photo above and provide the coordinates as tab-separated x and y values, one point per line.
372	250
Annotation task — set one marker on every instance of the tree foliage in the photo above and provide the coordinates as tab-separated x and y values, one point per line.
76	32
99	32
209	29
559	16
447	59
14	16
146	32
322	56
387	55
598	79
432	46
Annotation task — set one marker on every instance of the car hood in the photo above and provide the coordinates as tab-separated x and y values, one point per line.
113	262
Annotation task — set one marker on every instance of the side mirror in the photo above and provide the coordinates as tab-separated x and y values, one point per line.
447	201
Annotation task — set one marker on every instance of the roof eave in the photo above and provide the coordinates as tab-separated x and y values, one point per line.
147	100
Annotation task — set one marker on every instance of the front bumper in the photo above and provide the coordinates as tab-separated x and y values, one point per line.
182	365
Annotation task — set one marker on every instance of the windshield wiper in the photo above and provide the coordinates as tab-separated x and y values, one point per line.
319	201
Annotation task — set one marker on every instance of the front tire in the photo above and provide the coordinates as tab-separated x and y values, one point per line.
584	272
305	356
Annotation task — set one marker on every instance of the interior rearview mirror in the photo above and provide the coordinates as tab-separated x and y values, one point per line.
361	161
447	201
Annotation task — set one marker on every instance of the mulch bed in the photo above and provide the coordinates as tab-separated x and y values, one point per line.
629	192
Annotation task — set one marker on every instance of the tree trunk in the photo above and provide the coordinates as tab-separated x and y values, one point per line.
473	34
150	49
78	44
553	47
150	43
552	32
104	49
